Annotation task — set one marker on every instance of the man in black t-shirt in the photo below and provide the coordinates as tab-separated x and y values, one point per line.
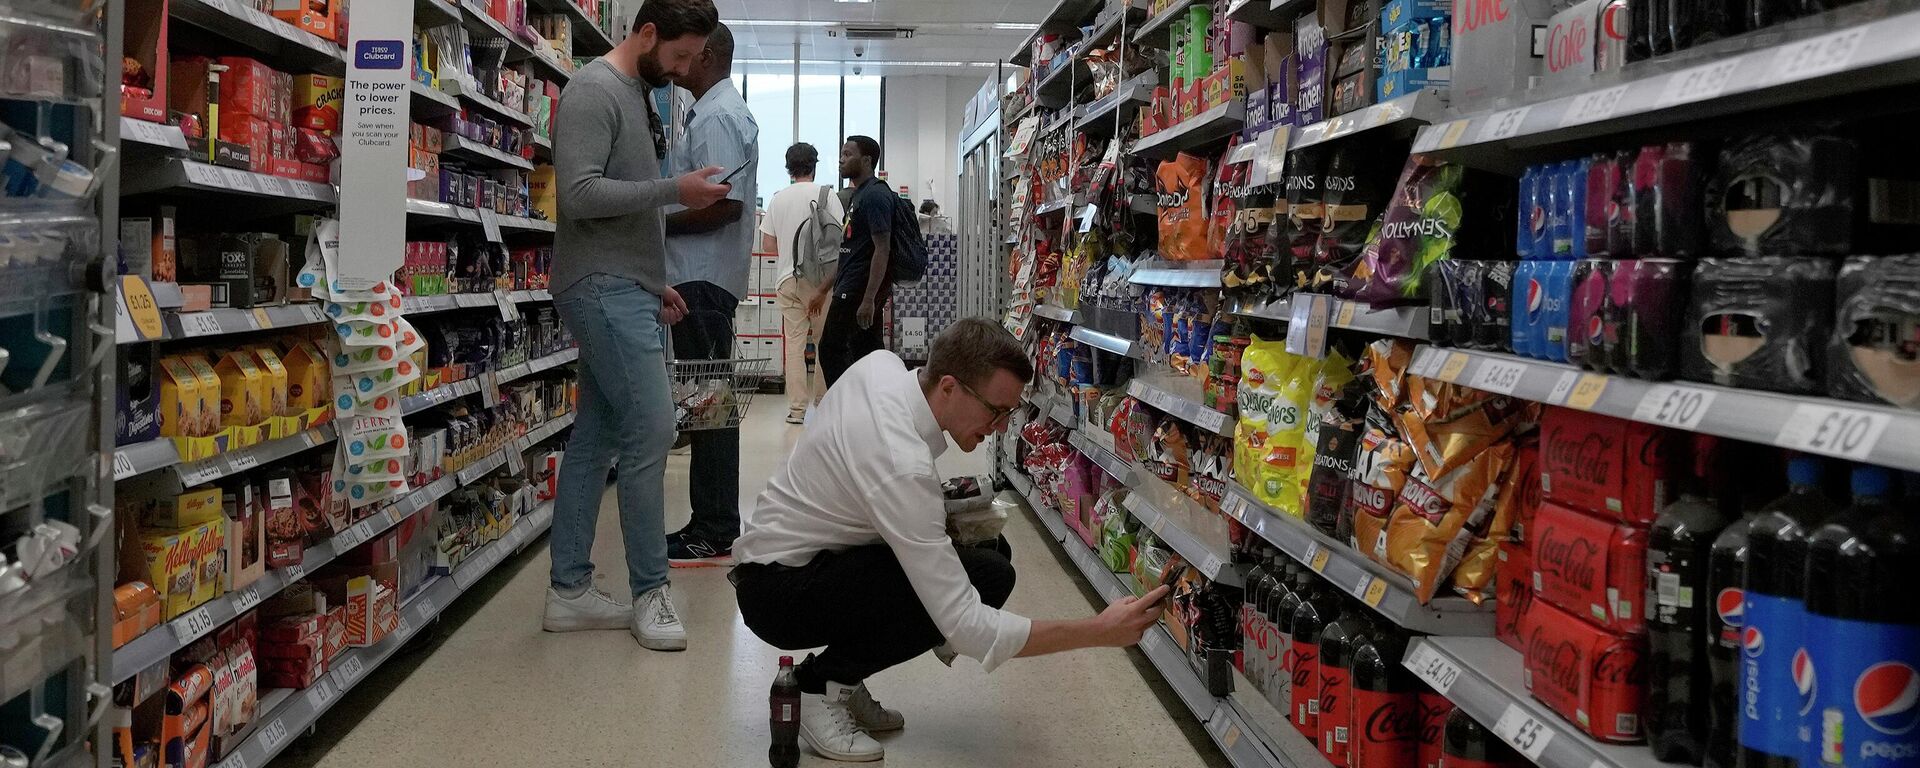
852	328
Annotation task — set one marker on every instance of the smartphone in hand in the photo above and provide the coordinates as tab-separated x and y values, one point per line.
728	179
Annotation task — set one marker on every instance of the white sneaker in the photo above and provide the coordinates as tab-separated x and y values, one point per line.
592	609
870	716
655	623
796	415
827	724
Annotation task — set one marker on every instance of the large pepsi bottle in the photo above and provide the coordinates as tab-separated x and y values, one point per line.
1725	569
1864	633
1678	679
1776	673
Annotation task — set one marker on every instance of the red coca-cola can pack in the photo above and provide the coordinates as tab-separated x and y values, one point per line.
1592	677
1513	585
1590	567
1610	467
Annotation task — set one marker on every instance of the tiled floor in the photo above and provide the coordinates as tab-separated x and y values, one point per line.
488	688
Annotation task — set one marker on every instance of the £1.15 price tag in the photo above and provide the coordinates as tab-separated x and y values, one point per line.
190	627
1674	406
1523	732
193	324
1834	431
273	735
245	599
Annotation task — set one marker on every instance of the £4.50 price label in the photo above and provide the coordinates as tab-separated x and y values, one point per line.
1846	432
1524	732
1674	406
1434	667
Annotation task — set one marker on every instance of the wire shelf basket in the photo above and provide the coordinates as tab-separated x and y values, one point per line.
714	394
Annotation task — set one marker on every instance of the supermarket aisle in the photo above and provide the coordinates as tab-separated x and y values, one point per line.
493	690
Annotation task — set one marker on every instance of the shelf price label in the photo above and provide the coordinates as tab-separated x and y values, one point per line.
193	324
123	466
1376	591
1578	390
243	461
1846	432
1674	406
1504	125
273	735
1814	57
1456	364
1594	107
293	573
193	625
200	472
1523	732
427	608
1700	83
246	599
320	695
350	669
1502	376
238	760
1434	667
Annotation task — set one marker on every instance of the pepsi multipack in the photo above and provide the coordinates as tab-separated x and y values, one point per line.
1552	208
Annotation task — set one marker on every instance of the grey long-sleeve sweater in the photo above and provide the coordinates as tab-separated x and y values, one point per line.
610	191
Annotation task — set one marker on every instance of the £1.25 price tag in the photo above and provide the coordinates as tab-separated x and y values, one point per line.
1674	406
1523	732
1834	431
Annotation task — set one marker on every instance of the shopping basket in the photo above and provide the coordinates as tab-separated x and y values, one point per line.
714	394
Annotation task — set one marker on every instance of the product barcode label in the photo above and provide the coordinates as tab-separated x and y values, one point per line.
1667	589
1500	376
1594	107
1674	406
273	735
1700	83
320	695
1504	125
1434	667
1523	732
122	466
193	625
246	599
1814	57
1846	432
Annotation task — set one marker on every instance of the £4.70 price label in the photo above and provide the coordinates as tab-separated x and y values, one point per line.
1847	432
1434	667
1675	406
1524	732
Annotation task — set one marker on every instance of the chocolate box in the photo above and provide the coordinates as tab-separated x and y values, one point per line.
1589	676
1610	467
1590	567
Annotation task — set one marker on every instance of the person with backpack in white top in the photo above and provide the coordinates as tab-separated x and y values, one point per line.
803	224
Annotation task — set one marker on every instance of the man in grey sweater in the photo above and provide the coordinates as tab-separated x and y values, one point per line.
610	285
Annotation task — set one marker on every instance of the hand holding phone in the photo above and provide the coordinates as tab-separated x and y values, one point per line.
735	172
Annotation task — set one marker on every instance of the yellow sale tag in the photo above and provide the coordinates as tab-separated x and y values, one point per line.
1456	363
260	317
1587	393
1319	560
1375	590
1347	310
141	306
1451	138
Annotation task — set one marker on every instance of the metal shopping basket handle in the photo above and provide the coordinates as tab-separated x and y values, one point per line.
714	394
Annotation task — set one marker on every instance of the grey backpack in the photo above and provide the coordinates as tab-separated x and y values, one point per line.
816	244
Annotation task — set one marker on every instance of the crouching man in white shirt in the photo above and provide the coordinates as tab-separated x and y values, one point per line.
848	548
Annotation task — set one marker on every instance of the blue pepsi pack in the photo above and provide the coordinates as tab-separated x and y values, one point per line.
1556	287
1534	238
1570	210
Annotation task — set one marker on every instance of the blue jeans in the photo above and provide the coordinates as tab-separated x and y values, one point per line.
625	411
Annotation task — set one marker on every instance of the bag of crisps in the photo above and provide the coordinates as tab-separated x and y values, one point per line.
1473	578
1265	367
1330	377
1169	457
1433	521
1380	470
1229	186
1182	187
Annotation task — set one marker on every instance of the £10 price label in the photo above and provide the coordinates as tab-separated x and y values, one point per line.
1846	432
1674	406
1523	732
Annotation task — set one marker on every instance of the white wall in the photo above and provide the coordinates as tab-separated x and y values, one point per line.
924	113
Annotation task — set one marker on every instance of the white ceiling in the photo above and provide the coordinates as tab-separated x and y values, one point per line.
945	31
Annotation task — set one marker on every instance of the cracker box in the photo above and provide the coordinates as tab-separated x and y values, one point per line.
1589	566
254	133
1611	467
243	390
170	568
316	102
1590	676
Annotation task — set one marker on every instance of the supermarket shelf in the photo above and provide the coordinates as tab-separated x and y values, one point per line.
1422	107
1062	412
1120	469
1484	677
1388	593
474	151
1199	535
1229	726
1098	340
1098	117
428	102
1065	17
177	173
434	13
1260	13
152	134
1052	312
1056	89
1400	322
1017	479
1107	30
293	712
234	462
457	89
276	41
1055	206
542	147
446	393
217	322
472	216
479	23
1179	397
1854	431
588	39
1205	128
1180	274
419	305
1153	31
1848	50
546	63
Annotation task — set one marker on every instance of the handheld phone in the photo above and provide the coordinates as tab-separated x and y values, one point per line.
728	179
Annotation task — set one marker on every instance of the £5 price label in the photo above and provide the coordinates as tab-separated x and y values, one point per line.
1674	406
1523	732
1504	125
1594	107
1846	432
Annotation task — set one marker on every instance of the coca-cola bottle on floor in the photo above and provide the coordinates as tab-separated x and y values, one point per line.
1337	642
1386	704
783	720
1471	745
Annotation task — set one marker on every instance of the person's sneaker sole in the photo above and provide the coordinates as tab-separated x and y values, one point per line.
722	561
663	644
829	754
552	624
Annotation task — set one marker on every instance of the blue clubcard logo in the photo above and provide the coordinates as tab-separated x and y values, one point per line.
381	54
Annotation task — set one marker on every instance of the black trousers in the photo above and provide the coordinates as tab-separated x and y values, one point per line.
713	474
842	341
859	605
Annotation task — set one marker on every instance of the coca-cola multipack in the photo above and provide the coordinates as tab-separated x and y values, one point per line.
1592	677
1590	567
1610	467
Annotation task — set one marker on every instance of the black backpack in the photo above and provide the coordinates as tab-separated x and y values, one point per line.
908	260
